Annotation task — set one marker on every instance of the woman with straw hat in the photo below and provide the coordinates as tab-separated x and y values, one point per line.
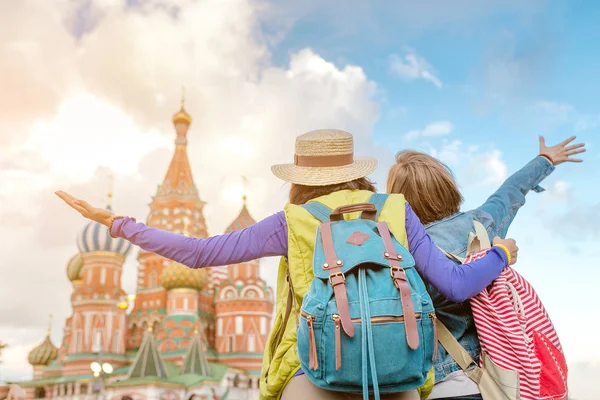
326	171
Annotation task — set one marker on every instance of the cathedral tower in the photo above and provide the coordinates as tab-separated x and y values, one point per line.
176	201
244	306
97	325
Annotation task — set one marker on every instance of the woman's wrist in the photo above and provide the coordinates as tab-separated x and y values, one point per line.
111	222
505	249
547	157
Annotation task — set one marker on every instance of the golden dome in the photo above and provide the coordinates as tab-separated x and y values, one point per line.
74	267
182	117
179	276
43	354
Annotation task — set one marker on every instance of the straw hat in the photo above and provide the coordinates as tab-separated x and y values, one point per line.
324	157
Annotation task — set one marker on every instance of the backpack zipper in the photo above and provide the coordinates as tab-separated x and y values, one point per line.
379	320
313	363
338	342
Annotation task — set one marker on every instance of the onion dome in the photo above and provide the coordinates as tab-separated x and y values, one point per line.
44	353
74	267
243	220
96	237
182	117
177	276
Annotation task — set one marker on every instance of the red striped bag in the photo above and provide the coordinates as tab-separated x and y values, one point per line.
515	331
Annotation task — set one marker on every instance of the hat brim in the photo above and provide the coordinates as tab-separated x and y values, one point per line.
324	176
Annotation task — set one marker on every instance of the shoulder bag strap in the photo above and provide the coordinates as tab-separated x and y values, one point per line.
458	353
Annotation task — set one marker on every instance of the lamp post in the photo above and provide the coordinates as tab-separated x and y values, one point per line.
101	371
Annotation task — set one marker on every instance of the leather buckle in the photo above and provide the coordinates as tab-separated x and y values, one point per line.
396	278
337	274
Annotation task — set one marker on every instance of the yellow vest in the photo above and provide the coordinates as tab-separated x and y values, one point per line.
280	360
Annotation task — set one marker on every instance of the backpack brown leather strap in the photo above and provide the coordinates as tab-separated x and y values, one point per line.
336	278
400	280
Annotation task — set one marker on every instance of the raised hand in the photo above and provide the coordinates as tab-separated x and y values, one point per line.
561	153
511	245
100	215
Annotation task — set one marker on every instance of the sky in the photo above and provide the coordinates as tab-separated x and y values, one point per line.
87	89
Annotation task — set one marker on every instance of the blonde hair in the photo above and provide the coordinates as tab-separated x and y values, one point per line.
427	184
301	194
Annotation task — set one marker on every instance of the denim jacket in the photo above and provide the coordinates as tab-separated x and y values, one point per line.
451	234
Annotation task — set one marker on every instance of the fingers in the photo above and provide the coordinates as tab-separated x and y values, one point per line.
572	152
66	197
85	205
575	146
567	141
71	201
542	143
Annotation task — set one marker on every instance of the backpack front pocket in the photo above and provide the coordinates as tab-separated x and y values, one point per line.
343	355
310	332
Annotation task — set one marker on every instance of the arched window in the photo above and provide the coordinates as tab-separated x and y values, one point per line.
152	279
40	392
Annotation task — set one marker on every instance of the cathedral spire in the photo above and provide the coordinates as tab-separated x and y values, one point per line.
195	360
178	180
147	360
49	325
111	184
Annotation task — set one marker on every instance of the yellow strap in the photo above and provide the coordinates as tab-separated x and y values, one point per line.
458	353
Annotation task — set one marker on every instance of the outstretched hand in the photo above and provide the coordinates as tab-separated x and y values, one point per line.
561	153
100	215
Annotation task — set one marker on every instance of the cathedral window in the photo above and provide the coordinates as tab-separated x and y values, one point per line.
251	343
115	344
239	325
97	341
263	325
78	341
152	279
103	276
219	326
186	303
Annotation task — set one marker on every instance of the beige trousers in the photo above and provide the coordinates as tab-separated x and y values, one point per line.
300	388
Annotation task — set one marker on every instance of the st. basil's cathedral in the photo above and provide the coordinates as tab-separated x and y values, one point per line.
190	333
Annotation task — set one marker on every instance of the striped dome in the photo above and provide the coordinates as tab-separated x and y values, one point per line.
179	276
95	237
43	354
74	267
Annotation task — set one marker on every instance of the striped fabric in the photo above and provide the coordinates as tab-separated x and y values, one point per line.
515	330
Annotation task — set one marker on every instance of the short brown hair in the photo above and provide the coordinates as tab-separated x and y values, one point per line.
301	194
427	184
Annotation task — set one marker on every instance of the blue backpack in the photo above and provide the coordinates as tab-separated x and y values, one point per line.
367	323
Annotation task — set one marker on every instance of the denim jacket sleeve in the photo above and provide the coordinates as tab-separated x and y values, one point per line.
503	205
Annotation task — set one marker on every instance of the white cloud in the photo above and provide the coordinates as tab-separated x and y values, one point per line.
472	166
75	108
440	128
412	66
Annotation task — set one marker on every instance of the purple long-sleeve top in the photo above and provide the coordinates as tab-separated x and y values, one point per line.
269	237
